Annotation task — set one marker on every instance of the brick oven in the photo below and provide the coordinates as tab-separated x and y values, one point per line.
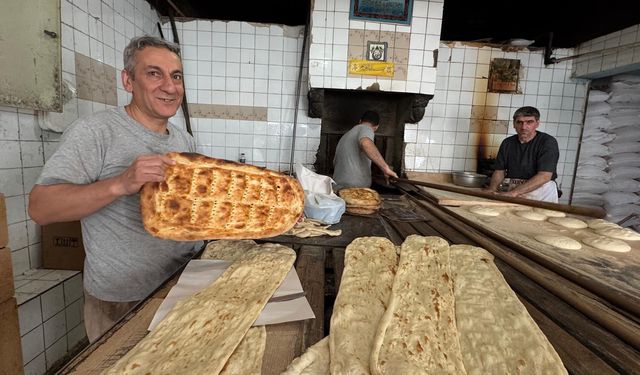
340	110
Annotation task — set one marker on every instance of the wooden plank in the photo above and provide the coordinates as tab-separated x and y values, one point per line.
589	267
619	354
576	357
404	229
310	268
448	198
284	343
338	265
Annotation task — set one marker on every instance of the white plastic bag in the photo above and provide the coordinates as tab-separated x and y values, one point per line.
320	202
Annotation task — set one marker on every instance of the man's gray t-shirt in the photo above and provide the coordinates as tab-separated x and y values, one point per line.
123	261
352	167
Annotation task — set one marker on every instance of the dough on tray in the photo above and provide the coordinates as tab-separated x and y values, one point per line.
482	210
531	215
607	244
561	242
568	222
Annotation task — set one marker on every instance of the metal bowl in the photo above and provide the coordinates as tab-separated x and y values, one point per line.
469	179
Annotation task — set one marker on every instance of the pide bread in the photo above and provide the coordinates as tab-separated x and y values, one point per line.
208	198
360	201
360	196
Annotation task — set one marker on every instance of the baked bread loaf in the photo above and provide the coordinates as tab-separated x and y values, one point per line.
207	198
360	201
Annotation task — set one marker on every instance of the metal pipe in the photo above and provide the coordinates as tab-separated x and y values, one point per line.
297	95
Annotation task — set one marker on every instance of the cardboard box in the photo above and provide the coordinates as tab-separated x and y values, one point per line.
7	289
4	229
62	247
10	347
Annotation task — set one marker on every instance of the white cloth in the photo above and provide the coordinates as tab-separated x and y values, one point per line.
546	193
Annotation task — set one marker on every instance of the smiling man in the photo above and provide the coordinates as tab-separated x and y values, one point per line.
96	174
529	159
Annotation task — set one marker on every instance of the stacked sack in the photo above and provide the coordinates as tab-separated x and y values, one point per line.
622	199
591	175
361	201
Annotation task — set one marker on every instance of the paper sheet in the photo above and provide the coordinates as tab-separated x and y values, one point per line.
200	273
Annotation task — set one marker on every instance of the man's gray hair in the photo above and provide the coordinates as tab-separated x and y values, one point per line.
526	112
139	43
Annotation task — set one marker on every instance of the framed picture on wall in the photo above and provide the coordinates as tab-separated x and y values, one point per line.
394	11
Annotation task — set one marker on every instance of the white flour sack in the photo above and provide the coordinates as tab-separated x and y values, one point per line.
597	122
617	213
626	185
625	159
622	147
624	172
628	133
593	149
596	161
597	96
584	185
596	109
614	198
592	172
587	199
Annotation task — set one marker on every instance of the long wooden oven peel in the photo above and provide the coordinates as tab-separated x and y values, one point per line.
576	210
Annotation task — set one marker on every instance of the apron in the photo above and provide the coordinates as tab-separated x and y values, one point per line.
546	193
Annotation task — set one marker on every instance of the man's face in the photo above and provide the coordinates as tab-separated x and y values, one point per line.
157	85
526	127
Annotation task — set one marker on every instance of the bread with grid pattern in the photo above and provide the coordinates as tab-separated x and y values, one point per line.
208	198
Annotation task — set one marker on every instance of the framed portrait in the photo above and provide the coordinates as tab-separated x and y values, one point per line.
377	51
394	11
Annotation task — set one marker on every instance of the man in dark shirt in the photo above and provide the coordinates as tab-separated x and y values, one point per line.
529	159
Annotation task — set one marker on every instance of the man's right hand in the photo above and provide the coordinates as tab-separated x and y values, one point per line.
146	168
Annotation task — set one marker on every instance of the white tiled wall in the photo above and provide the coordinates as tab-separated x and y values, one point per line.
328	53
50	325
610	54
51	322
442	140
252	65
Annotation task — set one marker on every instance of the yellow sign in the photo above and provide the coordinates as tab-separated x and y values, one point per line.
373	68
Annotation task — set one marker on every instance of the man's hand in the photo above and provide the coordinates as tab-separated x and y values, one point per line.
388	172
146	168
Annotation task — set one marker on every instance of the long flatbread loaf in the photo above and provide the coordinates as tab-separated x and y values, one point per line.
417	334
314	361
369	267
247	358
201	332
207	198
227	249
497	334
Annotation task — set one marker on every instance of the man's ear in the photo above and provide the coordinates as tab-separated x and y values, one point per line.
127	80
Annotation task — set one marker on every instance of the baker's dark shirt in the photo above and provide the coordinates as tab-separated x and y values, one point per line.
525	160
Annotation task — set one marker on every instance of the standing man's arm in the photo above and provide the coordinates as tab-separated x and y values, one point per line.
496	179
370	149
532	184
68	202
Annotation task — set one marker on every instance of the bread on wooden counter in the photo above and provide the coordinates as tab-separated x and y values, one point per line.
208	198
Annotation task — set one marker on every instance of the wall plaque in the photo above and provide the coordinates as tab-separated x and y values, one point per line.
372	68
503	75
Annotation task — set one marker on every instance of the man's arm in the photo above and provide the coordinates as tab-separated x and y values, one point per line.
67	202
370	149
532	184
496	179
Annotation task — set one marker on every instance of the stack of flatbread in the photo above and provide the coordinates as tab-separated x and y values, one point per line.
210	332
437	309
360	201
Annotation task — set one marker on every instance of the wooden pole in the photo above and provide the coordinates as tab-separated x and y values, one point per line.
576	210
